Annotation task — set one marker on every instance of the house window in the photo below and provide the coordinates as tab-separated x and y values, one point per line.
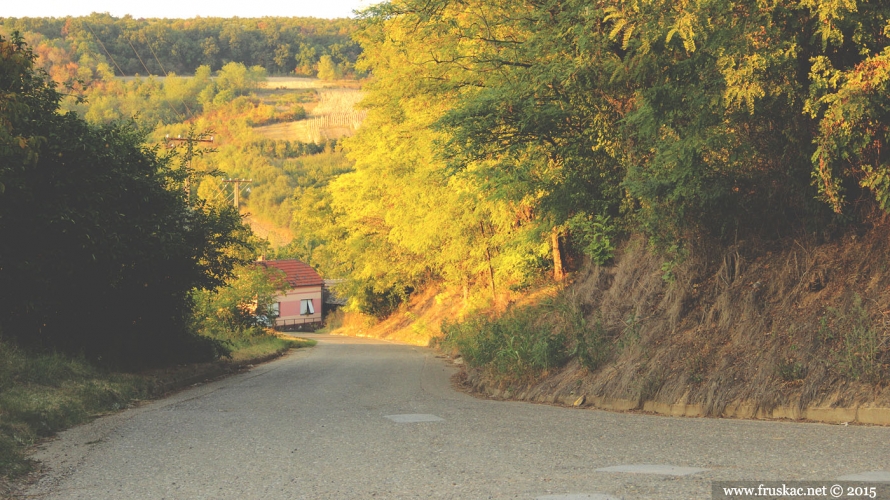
275	309
306	307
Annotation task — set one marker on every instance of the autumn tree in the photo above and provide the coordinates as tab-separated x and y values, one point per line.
99	250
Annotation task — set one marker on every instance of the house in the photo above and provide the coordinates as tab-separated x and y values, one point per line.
300	306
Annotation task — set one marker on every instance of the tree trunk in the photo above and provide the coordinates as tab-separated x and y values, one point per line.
494	294
559	272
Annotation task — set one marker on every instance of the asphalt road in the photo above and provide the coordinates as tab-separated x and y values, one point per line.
355	418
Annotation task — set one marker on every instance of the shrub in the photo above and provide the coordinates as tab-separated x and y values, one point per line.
526	342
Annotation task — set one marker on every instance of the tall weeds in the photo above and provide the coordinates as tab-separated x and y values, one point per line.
527	342
859	347
43	394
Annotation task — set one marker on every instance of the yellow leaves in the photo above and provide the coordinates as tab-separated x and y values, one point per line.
621	25
829	13
626	23
683	27
743	79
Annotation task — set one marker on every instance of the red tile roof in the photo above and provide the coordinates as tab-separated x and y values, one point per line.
297	273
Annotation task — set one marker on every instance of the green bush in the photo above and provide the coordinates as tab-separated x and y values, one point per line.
513	347
526	342
595	235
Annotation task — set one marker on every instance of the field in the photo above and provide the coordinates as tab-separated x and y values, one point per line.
293	82
332	114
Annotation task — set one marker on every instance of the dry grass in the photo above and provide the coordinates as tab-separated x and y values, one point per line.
418	322
296	82
333	116
276	236
746	324
795	323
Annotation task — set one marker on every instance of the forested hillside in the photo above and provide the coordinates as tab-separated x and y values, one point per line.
82	48
498	133
736	139
280	132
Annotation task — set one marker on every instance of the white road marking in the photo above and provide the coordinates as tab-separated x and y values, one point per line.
410	418
877	476
578	496
666	470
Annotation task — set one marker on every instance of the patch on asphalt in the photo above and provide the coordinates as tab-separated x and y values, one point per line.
578	496
410	418
665	470
876	476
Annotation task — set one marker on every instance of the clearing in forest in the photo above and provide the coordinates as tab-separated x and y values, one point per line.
332	114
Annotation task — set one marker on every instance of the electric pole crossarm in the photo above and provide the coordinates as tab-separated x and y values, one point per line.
237	188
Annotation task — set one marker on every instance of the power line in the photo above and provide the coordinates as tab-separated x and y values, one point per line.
167	76
237	187
180	115
103	48
138	56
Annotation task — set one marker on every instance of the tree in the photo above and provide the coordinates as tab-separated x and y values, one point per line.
99	250
239	79
241	305
328	69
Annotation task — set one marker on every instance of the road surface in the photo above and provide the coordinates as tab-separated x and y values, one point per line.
357	418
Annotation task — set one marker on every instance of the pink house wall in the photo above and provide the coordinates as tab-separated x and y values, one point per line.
289	305
292	307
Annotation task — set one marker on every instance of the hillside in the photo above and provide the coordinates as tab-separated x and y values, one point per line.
785	329
82	46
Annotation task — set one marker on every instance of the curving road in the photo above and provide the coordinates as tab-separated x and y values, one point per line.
356	418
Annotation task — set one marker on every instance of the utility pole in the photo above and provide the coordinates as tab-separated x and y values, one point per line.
237	183
189	142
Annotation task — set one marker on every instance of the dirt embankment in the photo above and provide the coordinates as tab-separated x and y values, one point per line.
792	329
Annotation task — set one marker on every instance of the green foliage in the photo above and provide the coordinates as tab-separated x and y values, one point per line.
526	342
677	120
595	235
238	79
373	302
242	306
514	347
328	69
99	249
279	45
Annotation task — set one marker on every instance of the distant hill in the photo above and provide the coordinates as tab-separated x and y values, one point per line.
128	46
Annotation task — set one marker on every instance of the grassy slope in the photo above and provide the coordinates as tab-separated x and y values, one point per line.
331	114
44	394
791	324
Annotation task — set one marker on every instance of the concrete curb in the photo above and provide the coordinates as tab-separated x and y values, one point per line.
861	414
858	415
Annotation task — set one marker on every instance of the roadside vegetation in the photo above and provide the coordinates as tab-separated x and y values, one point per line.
118	283
706	185
42	394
